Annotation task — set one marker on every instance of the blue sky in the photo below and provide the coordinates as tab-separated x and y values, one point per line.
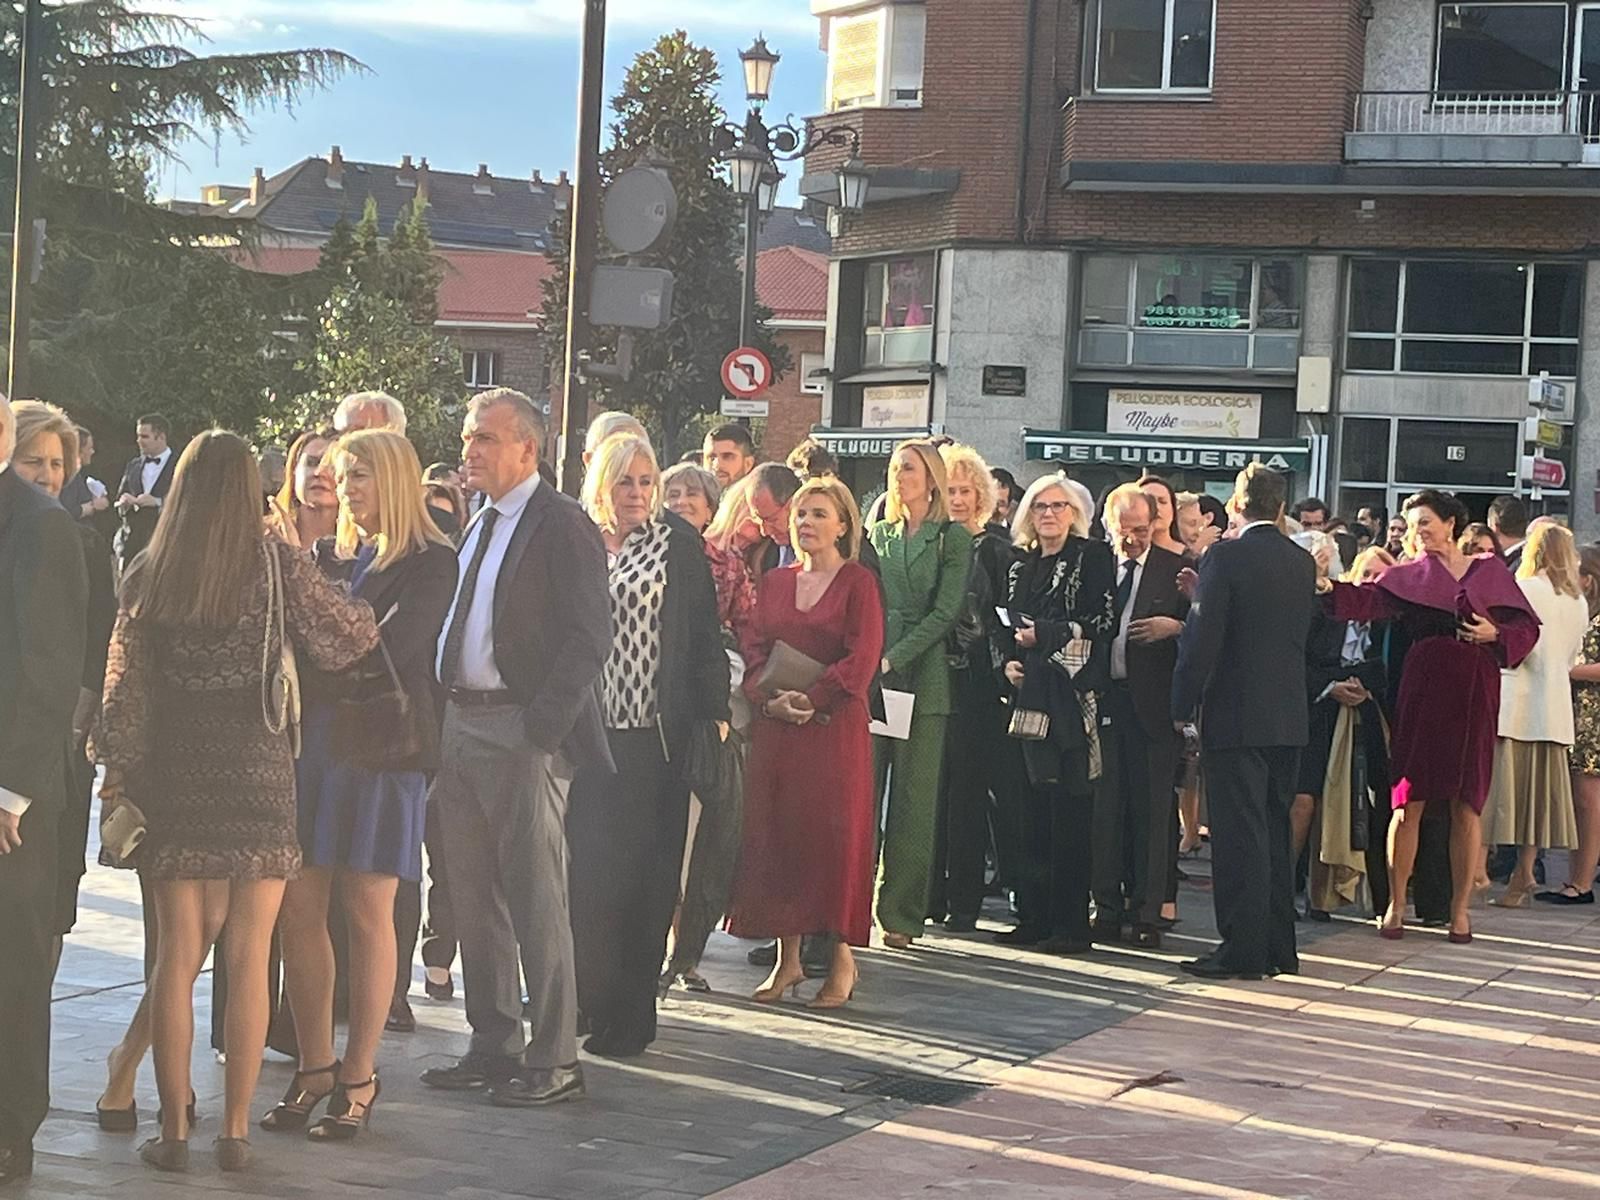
467	81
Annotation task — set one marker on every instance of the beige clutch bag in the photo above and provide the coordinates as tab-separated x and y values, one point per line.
122	832
788	670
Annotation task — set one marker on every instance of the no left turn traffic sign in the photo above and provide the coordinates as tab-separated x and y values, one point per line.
746	373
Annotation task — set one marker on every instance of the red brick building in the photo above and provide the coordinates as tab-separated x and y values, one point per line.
793	283
1337	235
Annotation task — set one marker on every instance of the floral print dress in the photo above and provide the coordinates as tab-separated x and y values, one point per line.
1586	709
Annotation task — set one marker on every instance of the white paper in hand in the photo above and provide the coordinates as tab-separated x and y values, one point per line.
897	708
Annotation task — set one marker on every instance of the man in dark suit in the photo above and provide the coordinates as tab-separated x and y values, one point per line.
1243	657
519	659
1508	521
1135	839
42	624
145	482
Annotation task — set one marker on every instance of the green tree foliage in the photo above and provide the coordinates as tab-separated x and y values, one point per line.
668	104
139	307
373	330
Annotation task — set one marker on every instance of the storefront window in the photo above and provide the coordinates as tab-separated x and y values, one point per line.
899	311
1464	318
1198	311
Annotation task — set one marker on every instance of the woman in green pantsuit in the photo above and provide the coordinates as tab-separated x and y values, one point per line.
925	559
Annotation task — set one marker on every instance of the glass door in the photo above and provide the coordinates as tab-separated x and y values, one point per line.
1586	80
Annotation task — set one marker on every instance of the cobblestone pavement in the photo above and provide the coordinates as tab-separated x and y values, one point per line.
1386	1067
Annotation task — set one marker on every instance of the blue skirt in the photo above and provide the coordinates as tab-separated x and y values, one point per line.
348	817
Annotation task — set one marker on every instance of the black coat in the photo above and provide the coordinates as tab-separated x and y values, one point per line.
139	523
694	681
102	611
1243	650
414	595
1325	665
44	596
1150	667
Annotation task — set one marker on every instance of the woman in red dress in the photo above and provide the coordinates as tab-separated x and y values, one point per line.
1466	620
809	844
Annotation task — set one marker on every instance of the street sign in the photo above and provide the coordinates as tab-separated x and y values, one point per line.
1542	433
1544	393
745	408
746	373
639	210
630	297
1544	472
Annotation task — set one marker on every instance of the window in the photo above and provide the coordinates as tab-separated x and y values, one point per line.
1505	46
810	364
875	57
480	368
1185	310
1154	45
899	311
1464	318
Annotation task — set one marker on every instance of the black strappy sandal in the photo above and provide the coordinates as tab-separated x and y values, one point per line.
346	1117
292	1112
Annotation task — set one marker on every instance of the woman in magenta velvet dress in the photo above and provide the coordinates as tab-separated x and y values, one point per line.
809	838
1467	620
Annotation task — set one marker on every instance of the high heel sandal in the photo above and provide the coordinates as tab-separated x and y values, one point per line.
346	1117
772	993
1515	896
826	999
294	1110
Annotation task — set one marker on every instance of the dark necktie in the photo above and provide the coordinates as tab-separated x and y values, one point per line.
450	660
1125	586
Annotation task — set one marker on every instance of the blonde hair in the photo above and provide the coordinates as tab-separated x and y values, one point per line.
404	524
206	549
1552	551
34	417
732	512
893	512
1023	533
613	459
1371	554
1120	495
962	460
844	504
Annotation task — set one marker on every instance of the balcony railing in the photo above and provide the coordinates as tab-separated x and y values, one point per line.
1478	127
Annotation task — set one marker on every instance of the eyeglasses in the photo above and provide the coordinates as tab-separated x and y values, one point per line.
1053	507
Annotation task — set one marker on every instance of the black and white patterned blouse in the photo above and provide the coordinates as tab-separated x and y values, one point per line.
638	577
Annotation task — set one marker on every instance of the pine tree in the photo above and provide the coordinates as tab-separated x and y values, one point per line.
668	103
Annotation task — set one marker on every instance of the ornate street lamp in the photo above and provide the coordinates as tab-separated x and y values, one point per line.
746	167
759	63
767	189
853	183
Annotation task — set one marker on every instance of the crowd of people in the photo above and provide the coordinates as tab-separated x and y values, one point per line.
714	692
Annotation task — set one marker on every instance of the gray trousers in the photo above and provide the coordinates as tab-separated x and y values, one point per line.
503	806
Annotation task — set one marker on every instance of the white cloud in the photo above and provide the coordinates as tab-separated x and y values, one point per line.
245	20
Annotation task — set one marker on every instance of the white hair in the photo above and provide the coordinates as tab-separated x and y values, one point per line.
394	413
609	423
8	428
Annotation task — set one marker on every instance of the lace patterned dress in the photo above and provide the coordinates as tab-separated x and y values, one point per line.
182	721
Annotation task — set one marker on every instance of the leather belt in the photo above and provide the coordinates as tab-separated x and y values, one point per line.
468	698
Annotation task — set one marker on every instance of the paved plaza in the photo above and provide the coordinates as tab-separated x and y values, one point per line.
1385	1069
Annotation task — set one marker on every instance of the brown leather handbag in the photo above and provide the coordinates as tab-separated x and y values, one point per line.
377	729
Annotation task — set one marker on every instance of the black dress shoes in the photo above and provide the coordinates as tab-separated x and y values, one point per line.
1065	946
1147	937
537	1088
1211	968
470	1074
1106	929
16	1162
1022	935
610	1044
763	956
960	924
401	1018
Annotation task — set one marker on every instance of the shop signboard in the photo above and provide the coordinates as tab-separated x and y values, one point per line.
1156	454
894	406
1190	414
862	443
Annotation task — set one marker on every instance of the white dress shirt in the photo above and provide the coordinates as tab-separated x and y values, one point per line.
10	801
477	671
149	472
1119	648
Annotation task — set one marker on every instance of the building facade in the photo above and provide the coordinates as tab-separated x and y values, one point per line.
1345	237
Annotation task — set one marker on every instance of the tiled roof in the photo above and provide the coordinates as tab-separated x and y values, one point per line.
464	210
502	287
793	227
793	283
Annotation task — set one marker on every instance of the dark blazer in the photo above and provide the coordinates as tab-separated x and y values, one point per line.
1150	667
418	589
139	523
552	627
44	595
100	567
1243	650
694	682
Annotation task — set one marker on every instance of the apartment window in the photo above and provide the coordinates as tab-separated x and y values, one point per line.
480	368
1191	310
1382	460
899	311
1464	318
811	383
875	57
1506	46
1154	45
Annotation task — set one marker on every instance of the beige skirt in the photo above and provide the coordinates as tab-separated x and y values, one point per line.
1530	799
